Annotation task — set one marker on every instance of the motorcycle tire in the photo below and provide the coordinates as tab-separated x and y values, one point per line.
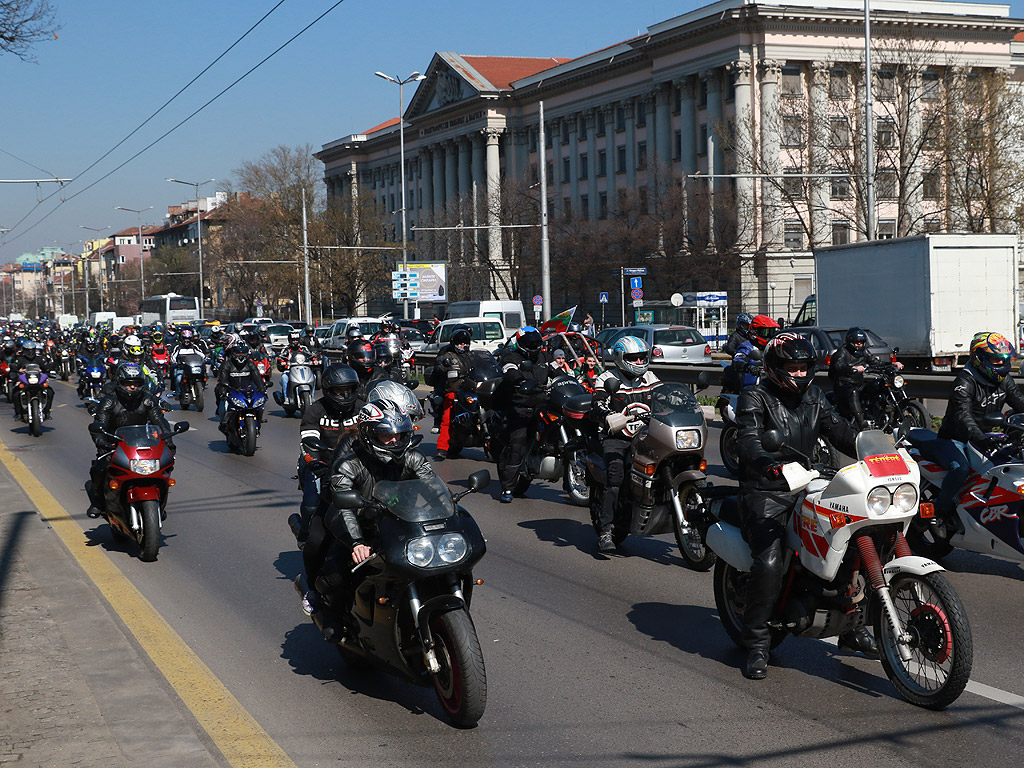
574	481
35	418
942	650
694	550
184	397
917	414
247	434
197	396
64	376
923	540
825	454
304	401
731	598
149	541
461	685
727	447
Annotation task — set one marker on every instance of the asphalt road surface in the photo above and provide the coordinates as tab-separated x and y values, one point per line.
591	660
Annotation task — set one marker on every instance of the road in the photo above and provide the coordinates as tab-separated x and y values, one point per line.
591	660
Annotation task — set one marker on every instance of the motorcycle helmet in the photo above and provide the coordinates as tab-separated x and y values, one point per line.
353	333
761	329
92	348
575	328
131	384
743	322
28	350
132	348
461	336
361	358
186	335
158	337
856	340
294	339
384	430
786	348
217	334
529	342
339	383
632	356
239	327
239	353
402	396
991	354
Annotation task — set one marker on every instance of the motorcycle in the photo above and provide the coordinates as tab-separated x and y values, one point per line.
90	378
392	363
32	397
847	562
301	383
5	375
886	404
471	421
161	361
263	364
136	485
245	412
193	380
65	363
664	488
410	609
989	504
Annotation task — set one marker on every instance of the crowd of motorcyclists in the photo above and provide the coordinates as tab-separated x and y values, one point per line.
357	434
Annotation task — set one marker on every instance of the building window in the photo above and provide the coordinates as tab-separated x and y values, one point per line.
532	140
792	131
702	140
931	131
839	84
932	184
549	171
600	122
641	154
886	133
677	151
886	229
885	181
677	101
584	171
641	113
793	186
620	118
565	131
730	87
702	92
974	87
792	81
840	231
793	236
620	159
886	85
839	131
567	207
933	224
931	86
602	162
565	169
585	206
547	136
582	127
602	205
641	199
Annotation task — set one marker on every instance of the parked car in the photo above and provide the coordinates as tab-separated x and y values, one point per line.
415	339
334	342
277	335
423	326
606	333
670	344
488	334
827	340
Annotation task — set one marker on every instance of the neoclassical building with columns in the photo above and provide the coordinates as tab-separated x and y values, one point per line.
764	98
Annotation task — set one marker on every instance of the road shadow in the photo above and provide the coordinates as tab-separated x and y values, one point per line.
565	532
14	525
24	429
289	564
102	536
220	445
961	561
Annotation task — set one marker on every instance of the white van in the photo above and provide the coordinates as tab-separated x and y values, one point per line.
96	319
67	321
488	334
510	314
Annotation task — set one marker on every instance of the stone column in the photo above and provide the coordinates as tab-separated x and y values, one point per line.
479	175
771	208
688	125
629	106
574	161
663	126
437	155
427	179
716	164
592	193
819	192
744	147
451	173
611	153
492	137
465	169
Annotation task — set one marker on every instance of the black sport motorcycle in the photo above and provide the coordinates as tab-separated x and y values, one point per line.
472	419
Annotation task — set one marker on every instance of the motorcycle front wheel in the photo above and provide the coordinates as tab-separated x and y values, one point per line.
731	599
942	651
916	413
575	480
304	401
197	396
694	550
727	447
149	541
248	430
461	684
35	418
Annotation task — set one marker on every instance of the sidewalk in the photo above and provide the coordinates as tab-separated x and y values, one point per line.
74	688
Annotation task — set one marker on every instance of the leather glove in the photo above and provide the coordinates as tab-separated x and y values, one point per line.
988	444
615	422
774	471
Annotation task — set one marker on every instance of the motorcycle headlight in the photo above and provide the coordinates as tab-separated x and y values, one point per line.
904	498
898	381
687	439
33	379
238	402
258	401
144	466
420	552
97	374
452	547
197	369
879	500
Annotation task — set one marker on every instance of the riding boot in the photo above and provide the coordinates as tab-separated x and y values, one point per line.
859	640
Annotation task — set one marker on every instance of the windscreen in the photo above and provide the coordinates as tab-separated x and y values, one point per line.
145	436
876	450
416	501
669	397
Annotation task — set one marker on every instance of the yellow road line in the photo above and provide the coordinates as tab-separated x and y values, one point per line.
235	732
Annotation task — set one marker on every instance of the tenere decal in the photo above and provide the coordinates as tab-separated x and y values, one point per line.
886	465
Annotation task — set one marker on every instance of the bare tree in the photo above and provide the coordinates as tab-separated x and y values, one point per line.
172	269
24	23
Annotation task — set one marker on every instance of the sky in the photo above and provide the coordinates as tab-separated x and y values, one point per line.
116	62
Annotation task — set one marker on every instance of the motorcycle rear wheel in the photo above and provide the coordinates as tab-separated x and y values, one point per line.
727	447
248	435
149	542
730	600
461	685
694	550
35	418
574	481
942	649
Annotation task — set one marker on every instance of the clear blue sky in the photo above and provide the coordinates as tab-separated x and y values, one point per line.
116	61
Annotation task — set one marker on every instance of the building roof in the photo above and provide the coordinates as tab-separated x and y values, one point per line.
386	124
502	71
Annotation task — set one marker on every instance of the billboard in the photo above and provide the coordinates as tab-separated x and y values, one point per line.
433	281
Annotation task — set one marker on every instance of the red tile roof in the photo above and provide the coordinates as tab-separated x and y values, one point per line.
502	71
382	126
1019	37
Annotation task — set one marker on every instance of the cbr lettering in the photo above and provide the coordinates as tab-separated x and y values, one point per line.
991	514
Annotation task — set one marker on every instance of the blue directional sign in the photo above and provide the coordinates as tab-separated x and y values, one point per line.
603	297
636	282
634	270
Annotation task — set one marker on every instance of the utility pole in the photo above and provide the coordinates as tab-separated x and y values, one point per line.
305	258
99	262
545	252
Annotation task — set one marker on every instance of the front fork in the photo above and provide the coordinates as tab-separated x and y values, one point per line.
873	565
677	506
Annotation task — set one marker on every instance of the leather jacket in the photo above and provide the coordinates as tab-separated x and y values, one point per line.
452	361
971	399
234	376
840	370
800	419
323	422
521	388
112	414
354	467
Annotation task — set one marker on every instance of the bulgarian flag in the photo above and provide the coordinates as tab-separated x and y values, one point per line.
559	323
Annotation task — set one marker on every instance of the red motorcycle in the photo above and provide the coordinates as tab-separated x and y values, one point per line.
5	376
263	364
136	484
161	361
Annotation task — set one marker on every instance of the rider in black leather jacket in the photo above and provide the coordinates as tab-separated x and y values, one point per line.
846	370
238	371
787	401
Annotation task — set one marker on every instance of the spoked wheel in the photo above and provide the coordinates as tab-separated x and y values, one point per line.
692	546
941	648
461	684
917	414
727	447
149	541
35	418
575	480
731	598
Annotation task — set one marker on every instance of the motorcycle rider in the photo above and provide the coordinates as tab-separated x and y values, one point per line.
328	419
238	371
630	367
88	351
524	370
134	352
846	370
188	343
29	355
746	361
295	346
786	400
741	334
452	366
128	406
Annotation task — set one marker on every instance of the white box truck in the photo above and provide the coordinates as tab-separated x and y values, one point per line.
927	295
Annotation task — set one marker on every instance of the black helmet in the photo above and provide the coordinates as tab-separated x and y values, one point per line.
856	340
529	341
294	337
28	350
385	430
788	347
339	383
131	384
239	352
461	334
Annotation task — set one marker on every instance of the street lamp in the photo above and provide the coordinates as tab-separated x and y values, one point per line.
199	236
771	310
142	252
99	255
401	143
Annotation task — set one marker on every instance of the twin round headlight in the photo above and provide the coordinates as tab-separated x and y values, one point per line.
904	498
435	551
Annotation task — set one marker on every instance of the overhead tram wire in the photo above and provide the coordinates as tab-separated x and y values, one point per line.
144	122
26	162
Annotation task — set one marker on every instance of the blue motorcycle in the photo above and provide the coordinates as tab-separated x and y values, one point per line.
244	414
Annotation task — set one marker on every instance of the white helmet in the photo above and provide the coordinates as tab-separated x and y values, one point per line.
632	356
400	395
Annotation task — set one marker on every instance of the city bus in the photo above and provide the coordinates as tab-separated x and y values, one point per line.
170	308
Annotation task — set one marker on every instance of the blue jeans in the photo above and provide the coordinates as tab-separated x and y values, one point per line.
284	385
950	455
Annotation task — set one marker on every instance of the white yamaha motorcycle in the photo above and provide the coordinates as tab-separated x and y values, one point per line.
847	563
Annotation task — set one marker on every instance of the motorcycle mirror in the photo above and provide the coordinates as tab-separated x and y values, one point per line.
755	354
316	445
179	427
412	384
771	441
703	380
993	422
611	385
479	480
416	440
348	500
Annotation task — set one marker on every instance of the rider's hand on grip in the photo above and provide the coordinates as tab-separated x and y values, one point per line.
616	422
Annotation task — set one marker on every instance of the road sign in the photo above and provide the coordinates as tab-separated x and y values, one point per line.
637	294
404	275
636	283
603	297
634	271
638	302
538	301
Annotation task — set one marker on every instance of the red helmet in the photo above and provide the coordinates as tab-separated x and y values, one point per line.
762	329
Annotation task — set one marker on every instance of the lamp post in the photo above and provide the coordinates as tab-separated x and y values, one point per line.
99	254
199	236
771	310
401	143
142	252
